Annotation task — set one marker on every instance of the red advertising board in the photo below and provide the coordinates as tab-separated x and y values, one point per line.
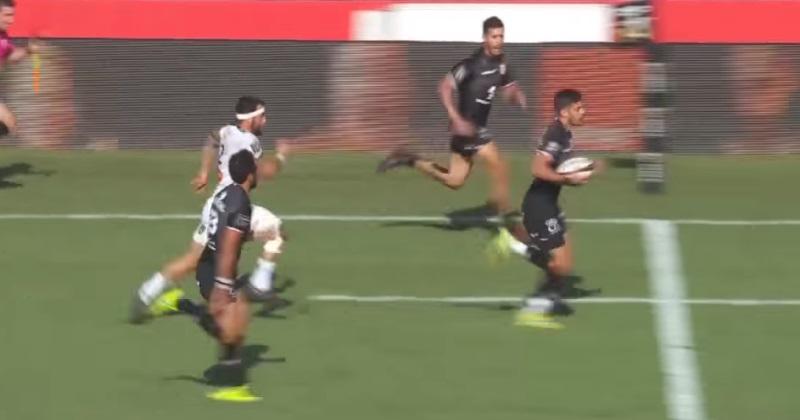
728	21
320	20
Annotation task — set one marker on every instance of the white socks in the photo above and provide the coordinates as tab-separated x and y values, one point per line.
261	279
538	304
516	246
153	288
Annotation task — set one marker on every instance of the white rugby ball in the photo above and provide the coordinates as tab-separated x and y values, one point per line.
576	164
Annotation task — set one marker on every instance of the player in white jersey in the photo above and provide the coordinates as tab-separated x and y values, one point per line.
159	293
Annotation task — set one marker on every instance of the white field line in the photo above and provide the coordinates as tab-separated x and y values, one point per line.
683	393
517	299
378	218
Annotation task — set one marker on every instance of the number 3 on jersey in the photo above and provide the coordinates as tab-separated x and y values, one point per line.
213	223
217	207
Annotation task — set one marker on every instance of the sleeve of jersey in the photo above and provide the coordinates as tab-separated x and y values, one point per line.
239	211
459	73
549	145
215	138
9	50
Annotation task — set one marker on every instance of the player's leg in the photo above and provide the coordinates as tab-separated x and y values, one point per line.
454	176
547	248
205	282
267	228
498	171
159	293
8	122
154	288
233	319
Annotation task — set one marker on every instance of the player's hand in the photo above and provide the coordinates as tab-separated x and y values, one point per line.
200	181
599	166
579	178
521	100
283	147
34	46
462	127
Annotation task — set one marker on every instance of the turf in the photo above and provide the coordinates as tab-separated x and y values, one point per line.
69	354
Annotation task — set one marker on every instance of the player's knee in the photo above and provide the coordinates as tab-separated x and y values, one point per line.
560	266
228	337
455	183
272	248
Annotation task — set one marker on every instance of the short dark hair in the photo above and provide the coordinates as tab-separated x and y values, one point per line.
8	3
245	104
492	23
565	98
241	165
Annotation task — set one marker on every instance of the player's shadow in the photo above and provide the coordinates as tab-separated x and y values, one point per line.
252	356
622	162
16	169
276	303
571	291
478	217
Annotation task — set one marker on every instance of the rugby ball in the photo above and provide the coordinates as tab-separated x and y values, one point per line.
576	164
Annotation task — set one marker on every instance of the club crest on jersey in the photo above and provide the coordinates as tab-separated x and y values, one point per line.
503	69
552	225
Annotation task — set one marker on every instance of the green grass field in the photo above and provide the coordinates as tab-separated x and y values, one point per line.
68	353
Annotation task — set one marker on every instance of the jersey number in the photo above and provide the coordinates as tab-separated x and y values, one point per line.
490	93
213	223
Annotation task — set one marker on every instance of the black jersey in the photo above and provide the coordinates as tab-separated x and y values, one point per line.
556	142
477	79
230	209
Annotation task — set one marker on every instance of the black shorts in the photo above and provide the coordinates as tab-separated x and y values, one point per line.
206	275
467	146
544	221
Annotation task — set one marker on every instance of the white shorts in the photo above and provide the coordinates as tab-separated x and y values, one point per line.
200	235
264	227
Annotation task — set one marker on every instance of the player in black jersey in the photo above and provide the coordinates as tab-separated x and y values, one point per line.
227	317
476	80
545	242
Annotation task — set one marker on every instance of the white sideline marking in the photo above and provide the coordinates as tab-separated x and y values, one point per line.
682	389
515	299
379	218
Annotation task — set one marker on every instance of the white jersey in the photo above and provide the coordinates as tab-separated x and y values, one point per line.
232	140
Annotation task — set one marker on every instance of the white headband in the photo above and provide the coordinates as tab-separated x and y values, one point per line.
257	112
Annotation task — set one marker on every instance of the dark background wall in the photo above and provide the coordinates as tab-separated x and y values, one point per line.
376	96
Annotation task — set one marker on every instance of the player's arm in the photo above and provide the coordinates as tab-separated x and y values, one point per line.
20	53
235	229
230	242
511	90
225	273
447	88
209	156
270	167
542	168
